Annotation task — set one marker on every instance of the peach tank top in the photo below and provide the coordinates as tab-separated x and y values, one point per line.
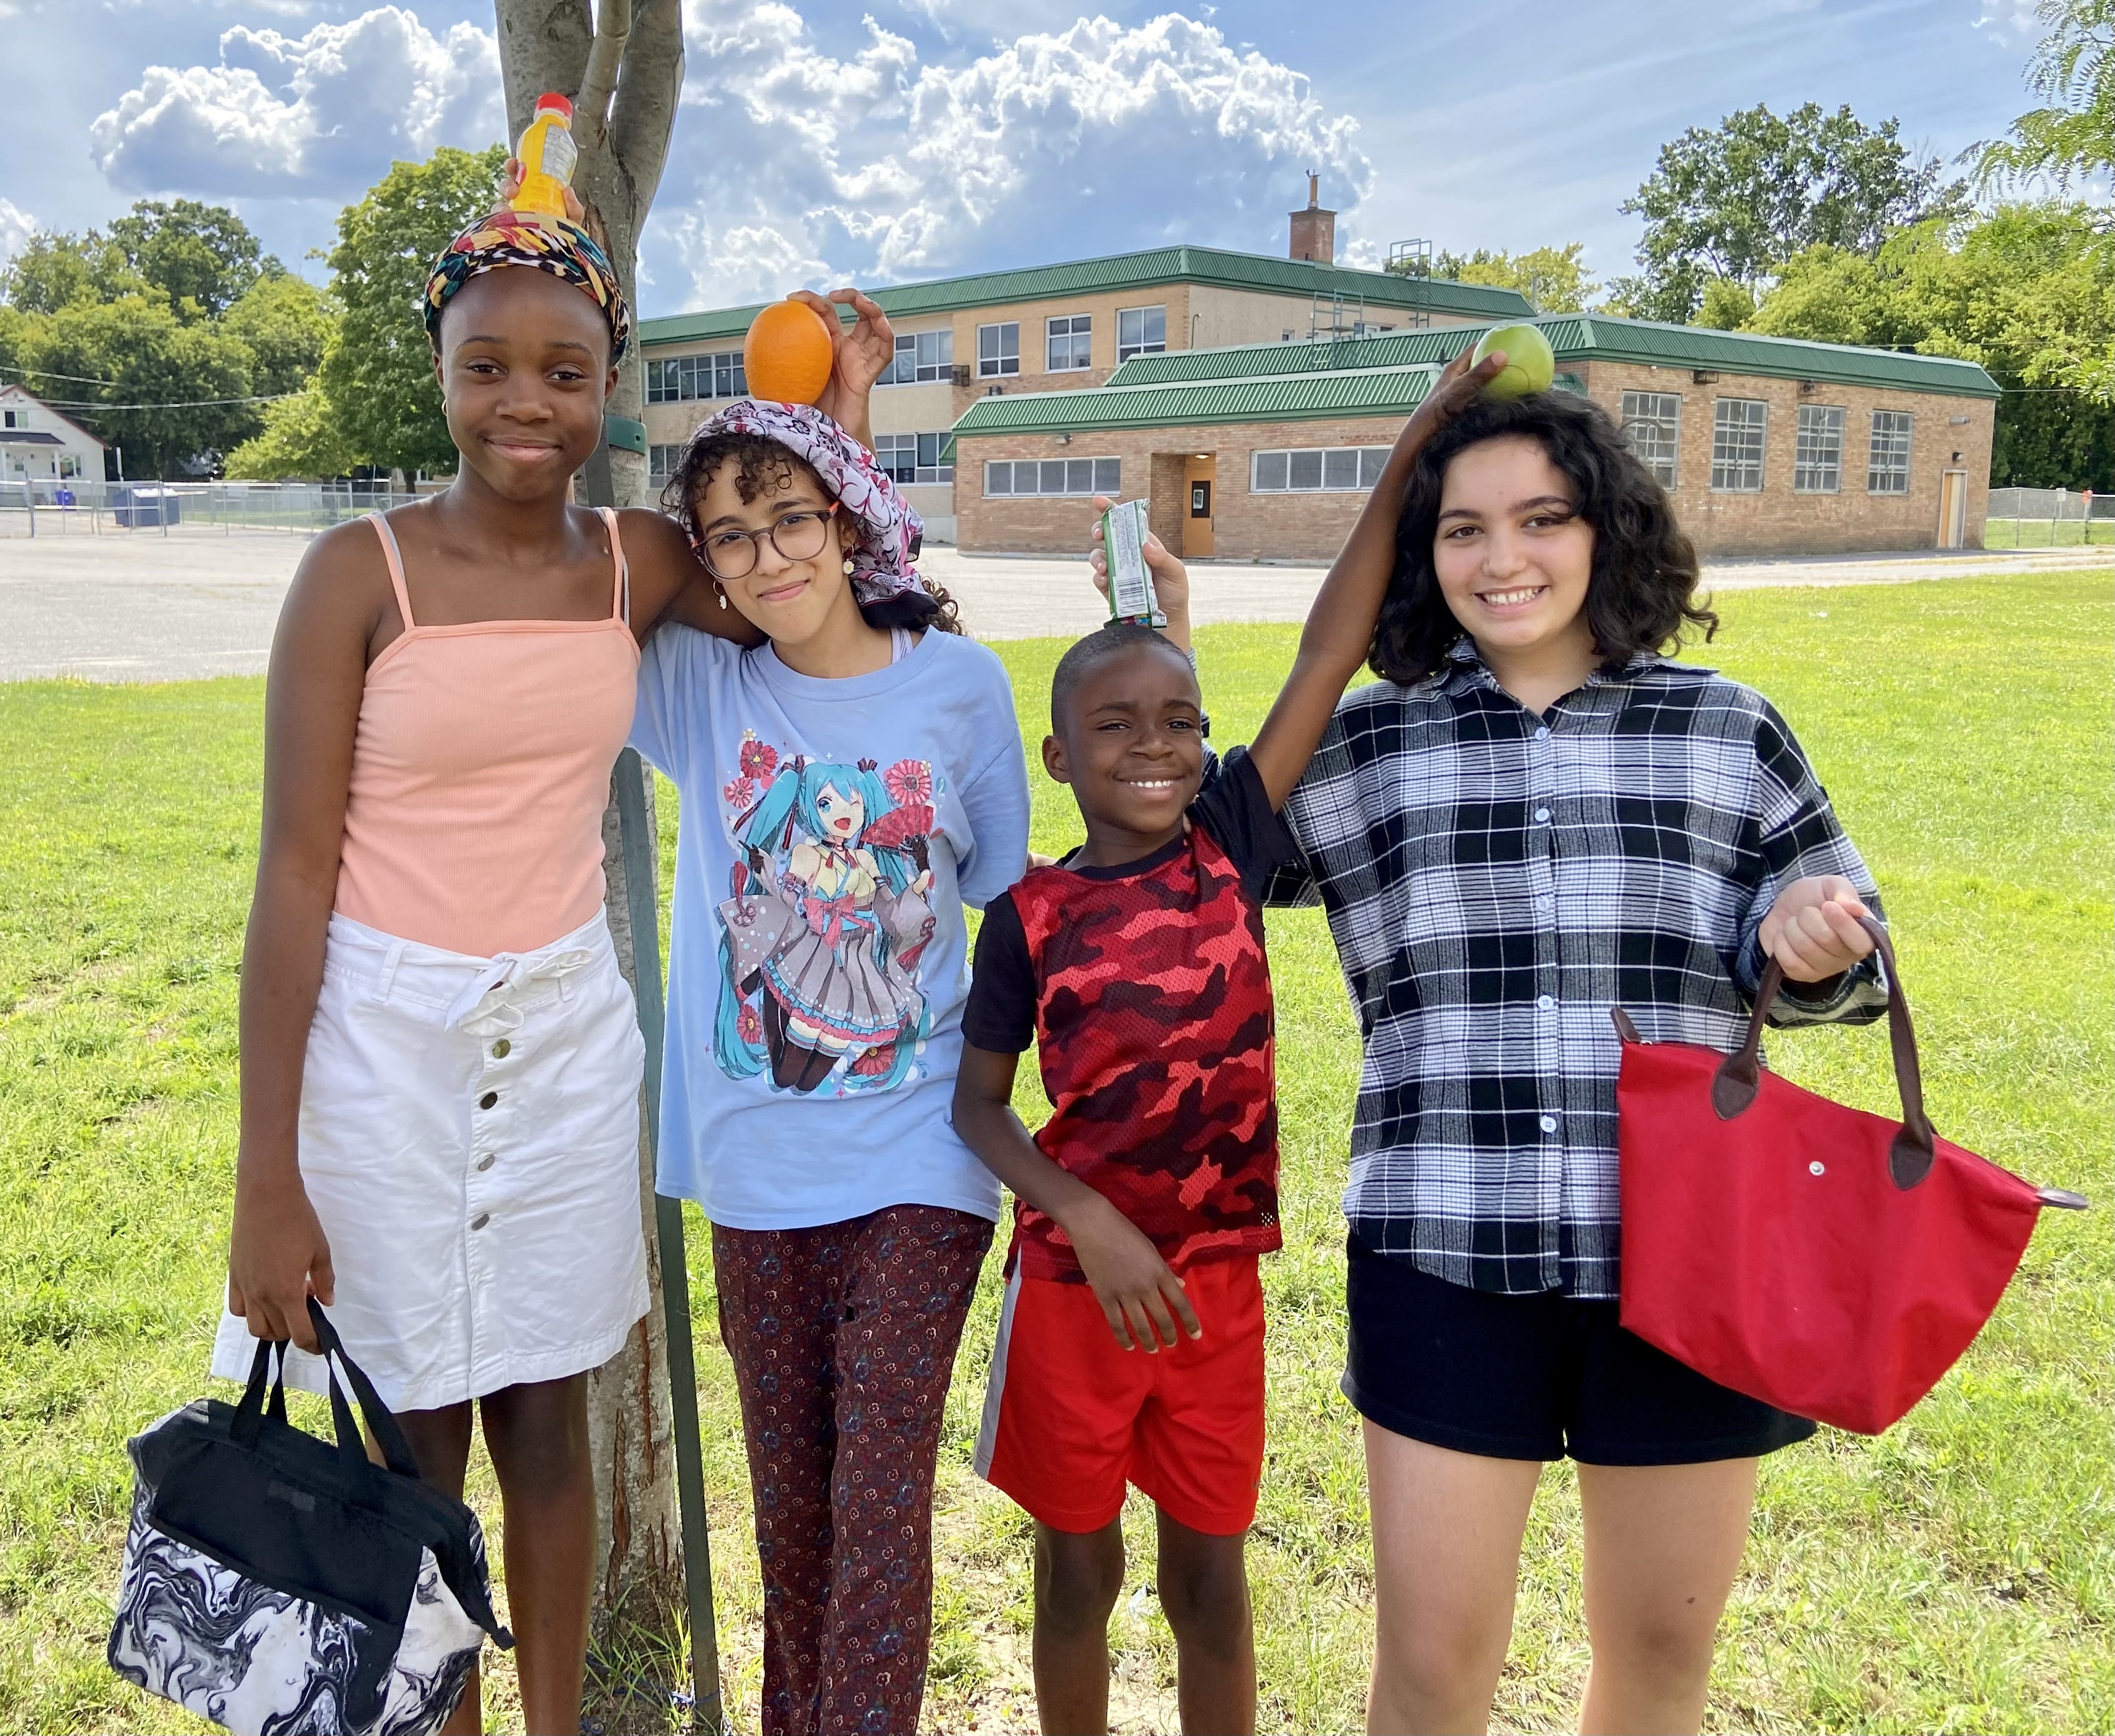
480	771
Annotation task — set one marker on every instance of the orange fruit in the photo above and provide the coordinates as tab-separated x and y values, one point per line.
788	354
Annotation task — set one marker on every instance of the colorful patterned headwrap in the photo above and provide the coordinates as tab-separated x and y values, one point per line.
888	528
546	244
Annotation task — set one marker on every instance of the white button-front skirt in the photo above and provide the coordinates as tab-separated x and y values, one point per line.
469	1140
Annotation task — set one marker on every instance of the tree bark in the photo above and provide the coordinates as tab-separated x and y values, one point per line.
550	45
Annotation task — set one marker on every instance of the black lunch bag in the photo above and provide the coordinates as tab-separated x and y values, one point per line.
274	1581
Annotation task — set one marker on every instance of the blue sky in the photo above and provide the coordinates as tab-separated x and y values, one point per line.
819	143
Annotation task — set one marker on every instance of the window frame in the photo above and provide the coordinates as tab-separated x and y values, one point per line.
1725	462
888	451
993	367
1890	470
923	372
1370	459
1145	344
1076	326
1098	480
1634	416
674	379
1811	456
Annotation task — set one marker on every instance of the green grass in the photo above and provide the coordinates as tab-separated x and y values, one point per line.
2042	533
1954	1575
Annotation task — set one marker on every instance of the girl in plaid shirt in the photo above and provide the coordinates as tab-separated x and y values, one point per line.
1531	817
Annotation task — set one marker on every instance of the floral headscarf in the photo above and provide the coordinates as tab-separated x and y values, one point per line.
888	527
546	244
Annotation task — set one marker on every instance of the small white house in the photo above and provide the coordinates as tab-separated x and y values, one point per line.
37	444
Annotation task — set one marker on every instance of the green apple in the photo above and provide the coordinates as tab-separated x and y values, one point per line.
1530	363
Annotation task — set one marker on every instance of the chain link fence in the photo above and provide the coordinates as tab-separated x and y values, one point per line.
46	508
2048	518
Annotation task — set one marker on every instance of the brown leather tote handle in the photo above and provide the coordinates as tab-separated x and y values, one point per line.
1739	1078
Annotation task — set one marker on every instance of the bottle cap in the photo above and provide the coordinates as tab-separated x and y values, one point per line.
552	100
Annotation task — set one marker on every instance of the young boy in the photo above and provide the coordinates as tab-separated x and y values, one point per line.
1136	966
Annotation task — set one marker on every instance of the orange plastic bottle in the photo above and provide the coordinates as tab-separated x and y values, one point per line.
547	154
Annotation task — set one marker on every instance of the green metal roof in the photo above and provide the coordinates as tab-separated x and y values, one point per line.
1297	278
1378	392
1585	337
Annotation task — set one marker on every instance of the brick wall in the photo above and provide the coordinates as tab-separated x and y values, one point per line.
1779	521
1312	527
1245	526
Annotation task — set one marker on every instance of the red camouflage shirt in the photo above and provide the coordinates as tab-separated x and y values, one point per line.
1146	989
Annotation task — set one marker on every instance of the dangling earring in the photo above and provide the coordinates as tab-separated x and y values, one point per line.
848	566
722	589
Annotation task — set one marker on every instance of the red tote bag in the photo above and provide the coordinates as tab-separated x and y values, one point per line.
1818	1258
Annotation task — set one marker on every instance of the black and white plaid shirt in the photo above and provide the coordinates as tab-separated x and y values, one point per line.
1496	881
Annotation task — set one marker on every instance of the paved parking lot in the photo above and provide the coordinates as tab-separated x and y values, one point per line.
145	607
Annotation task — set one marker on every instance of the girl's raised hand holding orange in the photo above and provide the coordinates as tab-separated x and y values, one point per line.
865	349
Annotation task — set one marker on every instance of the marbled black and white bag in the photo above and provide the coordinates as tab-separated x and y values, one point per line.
281	1586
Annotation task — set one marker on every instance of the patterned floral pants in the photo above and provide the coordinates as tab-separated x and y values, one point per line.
843	1338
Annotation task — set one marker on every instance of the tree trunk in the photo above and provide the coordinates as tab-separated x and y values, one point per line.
546	45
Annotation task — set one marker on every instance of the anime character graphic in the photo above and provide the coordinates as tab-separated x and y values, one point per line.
821	939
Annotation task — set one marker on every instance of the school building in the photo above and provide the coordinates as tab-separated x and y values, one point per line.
1768	445
1251	401
1056	330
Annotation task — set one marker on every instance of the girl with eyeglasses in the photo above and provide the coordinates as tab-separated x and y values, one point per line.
849	788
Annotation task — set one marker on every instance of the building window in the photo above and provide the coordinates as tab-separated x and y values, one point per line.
13	419
1652	425
679	379
661	463
915	458
1817	462
1888	466
1068	342
920	355
1737	426
999	350
1004	478
1342	469
1140	332
69	464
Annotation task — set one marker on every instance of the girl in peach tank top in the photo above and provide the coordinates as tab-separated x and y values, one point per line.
440	1061
480	770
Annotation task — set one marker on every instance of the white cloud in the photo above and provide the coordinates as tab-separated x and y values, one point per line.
2011	21
17	226
795	165
325	112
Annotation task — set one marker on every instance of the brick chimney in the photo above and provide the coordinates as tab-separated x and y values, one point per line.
1315	229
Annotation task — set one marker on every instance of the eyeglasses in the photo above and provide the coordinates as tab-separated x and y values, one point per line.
798	536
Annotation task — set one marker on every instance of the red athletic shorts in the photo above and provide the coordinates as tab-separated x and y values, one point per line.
1069	1418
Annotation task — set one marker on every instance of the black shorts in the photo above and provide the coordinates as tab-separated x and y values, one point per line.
1543	1377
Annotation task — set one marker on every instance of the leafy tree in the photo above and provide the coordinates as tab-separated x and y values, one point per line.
377	379
158	368
287	322
2072	138
1553	278
301	438
1726	304
2028	291
203	257
56	270
1734	201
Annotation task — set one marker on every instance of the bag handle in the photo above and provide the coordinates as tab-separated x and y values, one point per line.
250	1412
1739	1079
268	1368
388	1435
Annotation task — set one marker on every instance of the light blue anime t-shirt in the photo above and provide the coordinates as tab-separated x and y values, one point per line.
832	832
